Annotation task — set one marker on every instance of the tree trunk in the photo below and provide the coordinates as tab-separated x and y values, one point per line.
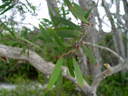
52	5
91	37
126	22
116	33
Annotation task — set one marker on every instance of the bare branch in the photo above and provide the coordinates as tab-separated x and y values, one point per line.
105	48
39	63
47	67
108	72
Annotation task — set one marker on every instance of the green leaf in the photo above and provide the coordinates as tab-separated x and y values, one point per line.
68	33
89	54
78	72
23	50
63	11
10	7
31	6
76	11
29	42
1	34
50	44
59	85
55	36
24	34
67	2
79	8
77	14
55	74
69	65
13	43
67	22
88	13
11	32
45	34
4	5
51	15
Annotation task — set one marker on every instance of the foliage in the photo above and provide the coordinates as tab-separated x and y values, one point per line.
115	85
28	88
58	41
20	6
14	71
53	36
108	87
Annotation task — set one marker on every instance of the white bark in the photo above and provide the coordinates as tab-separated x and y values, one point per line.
38	62
47	67
52	4
109	71
126	22
91	36
117	35
119	32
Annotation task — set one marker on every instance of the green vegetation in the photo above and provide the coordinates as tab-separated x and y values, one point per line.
115	85
57	41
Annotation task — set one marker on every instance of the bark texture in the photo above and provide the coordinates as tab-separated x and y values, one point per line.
47	67
126	23
92	37
116	33
52	4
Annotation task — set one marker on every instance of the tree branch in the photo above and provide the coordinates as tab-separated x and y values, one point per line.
109	71
105	48
39	63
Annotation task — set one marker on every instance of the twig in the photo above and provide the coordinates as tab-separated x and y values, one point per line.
97	3
84	33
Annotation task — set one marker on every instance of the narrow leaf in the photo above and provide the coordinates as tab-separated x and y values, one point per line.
89	54
79	8
78	73
11	32
50	44
10	7
51	15
76	11
88	13
4	5
23	51
45	34
67	22
59	85
69	65
1	34
67	2
12	43
68	33
55	36
29	42
24	34
77	14
63	11
55	74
